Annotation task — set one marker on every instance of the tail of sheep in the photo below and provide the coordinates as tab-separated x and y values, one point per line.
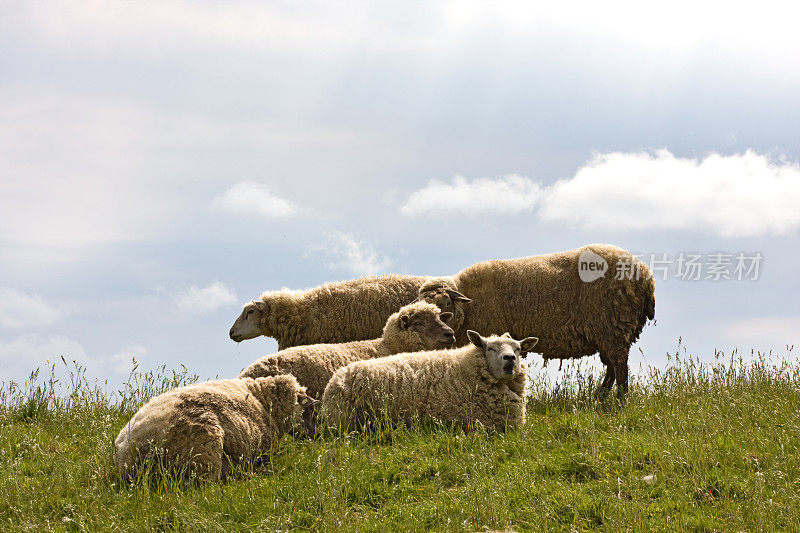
647	291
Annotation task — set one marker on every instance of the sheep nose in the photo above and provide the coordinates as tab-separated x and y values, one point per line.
509	357
231	333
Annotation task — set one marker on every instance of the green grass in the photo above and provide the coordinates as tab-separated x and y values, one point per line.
695	448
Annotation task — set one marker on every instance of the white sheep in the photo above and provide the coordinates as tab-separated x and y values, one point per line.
573	310
206	428
482	383
541	294
340	311
417	326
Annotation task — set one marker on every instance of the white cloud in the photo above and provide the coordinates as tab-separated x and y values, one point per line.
251	198
206	299
732	196
740	195
18	309
509	194
342	251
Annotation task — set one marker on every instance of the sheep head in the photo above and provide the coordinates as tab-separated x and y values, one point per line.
442	297
251	323
428	325
308	417
503	354
439	293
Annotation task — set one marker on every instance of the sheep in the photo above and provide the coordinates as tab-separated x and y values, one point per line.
206	428
576	318
482	383
417	326
336	312
545	295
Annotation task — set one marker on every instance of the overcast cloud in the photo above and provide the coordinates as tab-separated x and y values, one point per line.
162	163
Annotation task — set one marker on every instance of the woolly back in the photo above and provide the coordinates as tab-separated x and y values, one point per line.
278	395
282	306
468	360
336	312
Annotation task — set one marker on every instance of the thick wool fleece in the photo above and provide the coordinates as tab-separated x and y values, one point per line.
314	365
452	386
543	296
204	428
340	311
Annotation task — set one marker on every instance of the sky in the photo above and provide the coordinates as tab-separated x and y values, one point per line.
163	163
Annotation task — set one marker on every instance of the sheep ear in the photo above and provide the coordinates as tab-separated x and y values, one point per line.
305	400
446	317
404	321
457	296
476	339
309	411
261	305
526	345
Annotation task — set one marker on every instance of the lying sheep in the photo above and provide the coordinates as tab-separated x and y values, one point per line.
205	428
545	295
336	312
417	326
480	383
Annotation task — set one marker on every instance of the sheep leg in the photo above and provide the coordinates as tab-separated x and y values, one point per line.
615	356
608	379
621	377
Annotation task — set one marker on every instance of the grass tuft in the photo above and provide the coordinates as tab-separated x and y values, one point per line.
694	447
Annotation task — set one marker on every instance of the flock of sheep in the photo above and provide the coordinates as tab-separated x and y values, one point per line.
396	347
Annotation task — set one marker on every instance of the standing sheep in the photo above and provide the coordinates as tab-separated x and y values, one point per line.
205	428
545	295
417	326
341	311
480	383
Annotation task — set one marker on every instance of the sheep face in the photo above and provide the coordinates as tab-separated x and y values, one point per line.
249	325
308	405
443	298
503	354
431	328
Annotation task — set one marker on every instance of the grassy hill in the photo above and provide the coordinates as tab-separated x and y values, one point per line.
695	448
